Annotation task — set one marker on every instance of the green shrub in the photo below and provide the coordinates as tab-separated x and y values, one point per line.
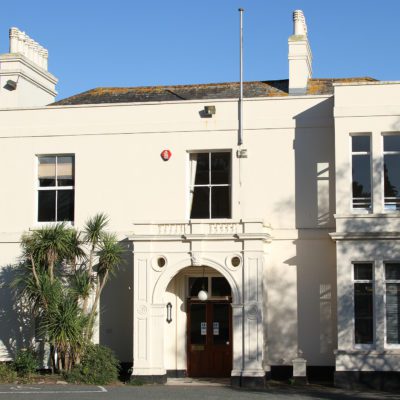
26	362
98	366
7	374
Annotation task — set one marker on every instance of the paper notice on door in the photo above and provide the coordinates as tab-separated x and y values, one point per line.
215	328
203	328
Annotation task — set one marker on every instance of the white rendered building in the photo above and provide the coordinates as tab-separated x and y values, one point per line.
293	235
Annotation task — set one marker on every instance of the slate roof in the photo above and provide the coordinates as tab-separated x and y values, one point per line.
209	91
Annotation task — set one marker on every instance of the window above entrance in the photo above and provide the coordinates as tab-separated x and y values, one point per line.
210	185
219	286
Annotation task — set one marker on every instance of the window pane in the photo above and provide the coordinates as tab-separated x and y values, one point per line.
220	326
201	203
202	169
197	284
361	176
392	271
393	313
65	175
360	143
47	205
220	168
391	143
220	287
47	171
363	271
197	317
363	313
392	174
221	202
65	205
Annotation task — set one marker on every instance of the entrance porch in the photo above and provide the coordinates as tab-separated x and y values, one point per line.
175	334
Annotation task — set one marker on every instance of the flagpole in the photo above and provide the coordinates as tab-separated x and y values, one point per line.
240	139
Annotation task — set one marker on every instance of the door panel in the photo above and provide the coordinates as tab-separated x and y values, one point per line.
209	339
198	337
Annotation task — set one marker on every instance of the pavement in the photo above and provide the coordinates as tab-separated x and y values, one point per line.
185	391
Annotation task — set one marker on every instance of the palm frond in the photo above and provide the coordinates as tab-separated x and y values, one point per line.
110	254
94	227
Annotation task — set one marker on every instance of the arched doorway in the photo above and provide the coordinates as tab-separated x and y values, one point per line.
199	335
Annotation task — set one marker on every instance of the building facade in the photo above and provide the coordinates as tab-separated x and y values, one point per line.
293	235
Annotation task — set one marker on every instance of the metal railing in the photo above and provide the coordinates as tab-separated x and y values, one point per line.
362	203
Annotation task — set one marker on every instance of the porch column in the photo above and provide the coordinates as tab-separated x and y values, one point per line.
248	329
148	327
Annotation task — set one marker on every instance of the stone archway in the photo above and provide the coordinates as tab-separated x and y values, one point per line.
173	270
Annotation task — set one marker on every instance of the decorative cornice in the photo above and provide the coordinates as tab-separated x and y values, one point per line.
372	353
28	63
202	230
365	236
18	72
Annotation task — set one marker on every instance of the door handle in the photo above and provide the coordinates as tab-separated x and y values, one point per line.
227	343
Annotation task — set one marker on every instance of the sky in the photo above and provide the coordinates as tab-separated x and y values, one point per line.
98	43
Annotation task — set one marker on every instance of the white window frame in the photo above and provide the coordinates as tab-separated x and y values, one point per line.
56	188
364	346
360	153
396	199
191	187
385	281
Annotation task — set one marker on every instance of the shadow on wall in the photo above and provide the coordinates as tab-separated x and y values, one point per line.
280	329
315	258
314	167
116	305
16	326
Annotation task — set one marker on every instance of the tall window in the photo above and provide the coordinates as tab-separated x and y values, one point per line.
361	169
391	168
363	304
210	185
55	188
392	291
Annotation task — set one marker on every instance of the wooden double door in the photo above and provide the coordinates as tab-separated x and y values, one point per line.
209	338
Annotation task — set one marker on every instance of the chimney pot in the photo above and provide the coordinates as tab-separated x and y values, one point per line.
300	56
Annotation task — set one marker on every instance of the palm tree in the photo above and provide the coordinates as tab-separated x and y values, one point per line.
93	232
57	277
48	245
64	327
110	257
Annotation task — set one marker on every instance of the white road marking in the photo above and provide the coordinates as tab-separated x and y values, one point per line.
16	390
23	387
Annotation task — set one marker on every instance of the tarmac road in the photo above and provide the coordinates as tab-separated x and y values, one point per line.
126	392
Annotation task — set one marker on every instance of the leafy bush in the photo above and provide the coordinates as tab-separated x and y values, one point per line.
26	362
98	366
7	374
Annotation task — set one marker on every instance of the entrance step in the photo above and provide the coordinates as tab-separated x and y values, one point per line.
198	381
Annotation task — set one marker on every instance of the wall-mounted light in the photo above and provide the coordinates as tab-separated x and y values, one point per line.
209	110
11	85
169	313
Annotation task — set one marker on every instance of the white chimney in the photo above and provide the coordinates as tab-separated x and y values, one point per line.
24	79
300	56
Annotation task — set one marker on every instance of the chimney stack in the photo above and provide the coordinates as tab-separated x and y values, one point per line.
300	56
24	78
